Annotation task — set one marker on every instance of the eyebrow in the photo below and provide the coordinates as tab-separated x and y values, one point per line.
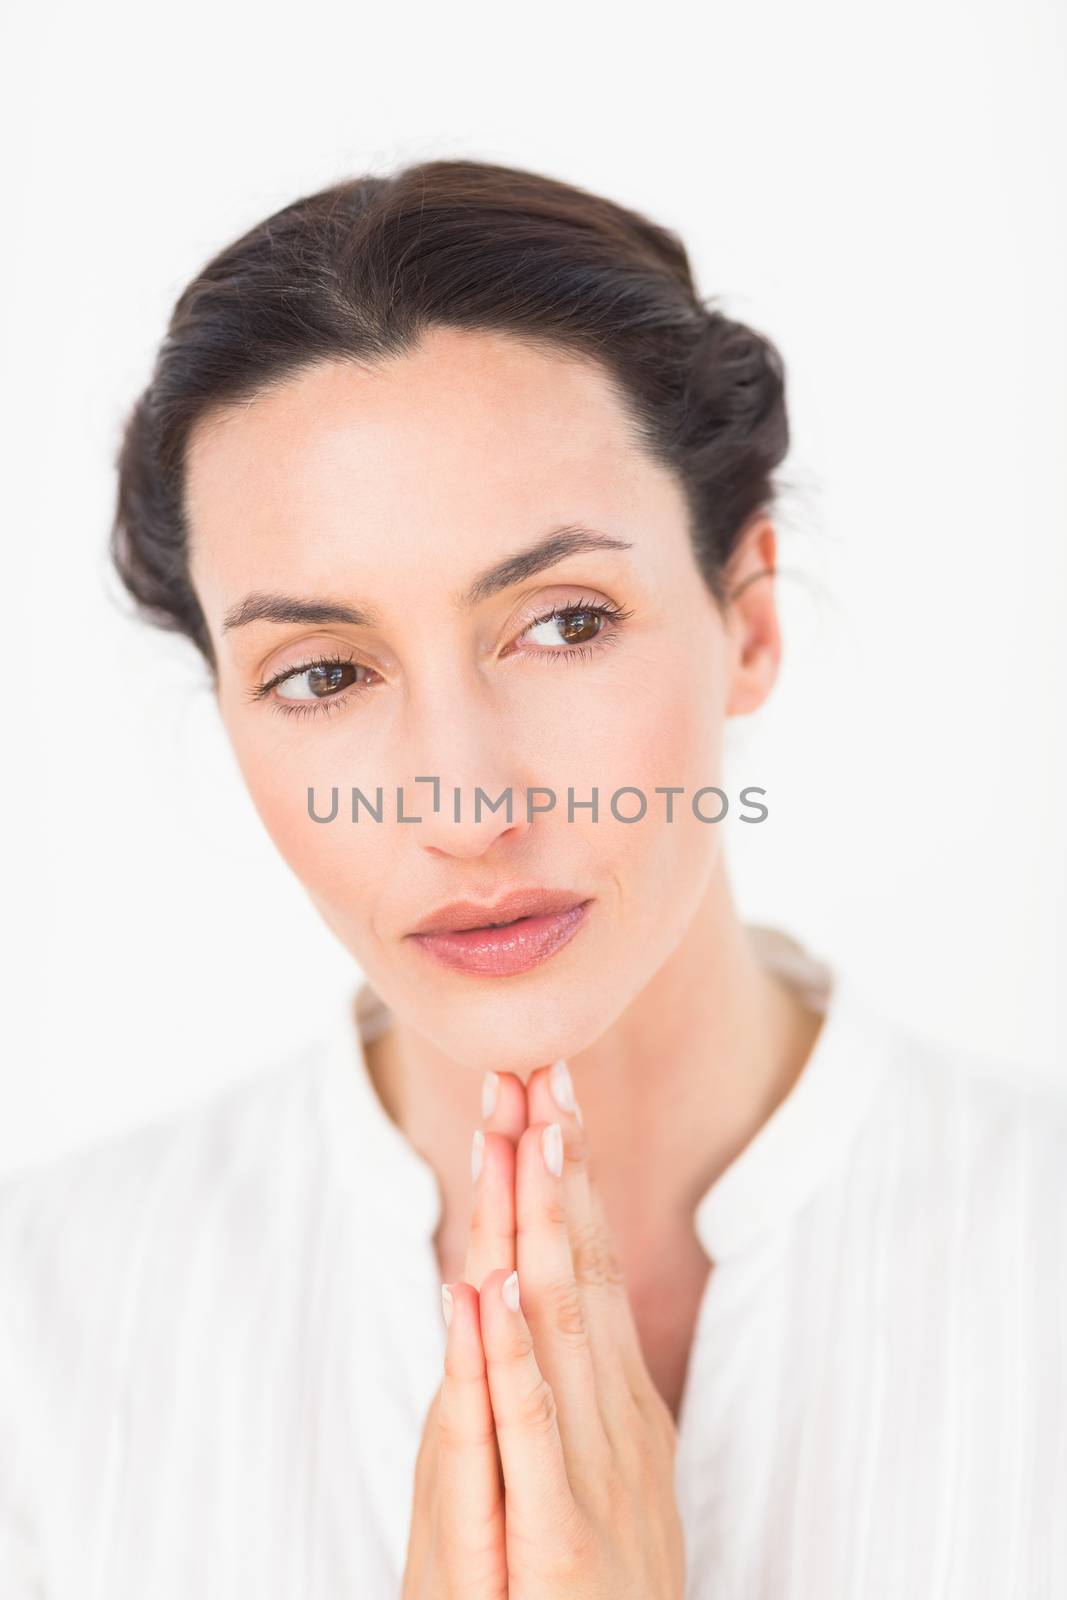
556	546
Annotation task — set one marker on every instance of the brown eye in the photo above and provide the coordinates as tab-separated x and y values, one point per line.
319	681
581	626
571	627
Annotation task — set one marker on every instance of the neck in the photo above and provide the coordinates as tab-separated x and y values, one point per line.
685	1076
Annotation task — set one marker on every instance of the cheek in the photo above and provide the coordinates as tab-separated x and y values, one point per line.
681	748
338	864
661	728
657	721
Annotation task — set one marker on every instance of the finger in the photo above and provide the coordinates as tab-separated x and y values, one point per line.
470	1489
550	1098
537	1490
491	1239
504	1104
618	1359
553	1301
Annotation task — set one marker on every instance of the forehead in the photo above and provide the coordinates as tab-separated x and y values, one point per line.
473	439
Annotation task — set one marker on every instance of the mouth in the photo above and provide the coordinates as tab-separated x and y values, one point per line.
488	942
465	916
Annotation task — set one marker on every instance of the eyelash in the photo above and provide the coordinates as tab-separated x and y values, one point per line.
612	615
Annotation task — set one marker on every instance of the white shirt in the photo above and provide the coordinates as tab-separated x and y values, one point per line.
222	1331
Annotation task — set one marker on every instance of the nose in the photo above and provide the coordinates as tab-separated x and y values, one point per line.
468	783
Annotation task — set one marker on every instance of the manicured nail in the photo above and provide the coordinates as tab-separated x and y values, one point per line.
490	1084
562	1087
509	1291
446	1304
477	1144
552	1148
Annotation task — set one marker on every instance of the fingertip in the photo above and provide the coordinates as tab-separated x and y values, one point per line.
543	1149
490	1093
501	1305
507	1113
508	1338
552	1098
460	1314
561	1087
492	1156
538	1092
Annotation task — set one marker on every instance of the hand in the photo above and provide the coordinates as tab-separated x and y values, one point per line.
585	1443
456	1548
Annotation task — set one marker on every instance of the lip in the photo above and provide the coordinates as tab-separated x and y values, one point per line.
525	942
459	916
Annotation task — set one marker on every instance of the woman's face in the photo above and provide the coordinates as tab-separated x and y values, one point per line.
389	491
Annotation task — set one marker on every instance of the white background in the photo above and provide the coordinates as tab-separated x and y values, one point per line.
882	191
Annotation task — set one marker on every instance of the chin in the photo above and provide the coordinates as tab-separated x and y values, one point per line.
505	1026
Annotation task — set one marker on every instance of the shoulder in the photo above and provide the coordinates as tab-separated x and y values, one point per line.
126	1264
122	1217
976	1106
972	1143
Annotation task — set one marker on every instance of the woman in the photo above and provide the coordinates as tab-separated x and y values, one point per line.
460	490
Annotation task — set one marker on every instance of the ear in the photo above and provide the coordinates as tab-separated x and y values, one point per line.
754	641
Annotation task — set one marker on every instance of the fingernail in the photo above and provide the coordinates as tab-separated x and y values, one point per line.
489	1090
552	1148
477	1144
446	1304
562	1087
509	1291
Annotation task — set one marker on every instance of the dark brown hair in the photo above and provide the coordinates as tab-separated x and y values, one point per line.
360	270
